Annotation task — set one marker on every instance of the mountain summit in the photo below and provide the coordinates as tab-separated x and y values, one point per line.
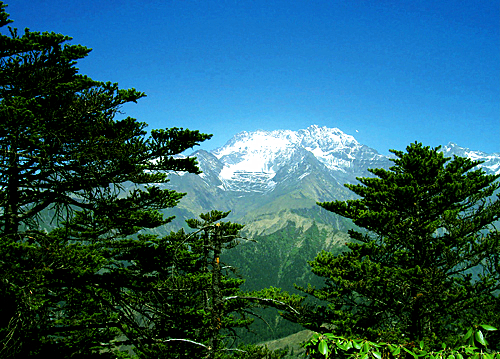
262	173
258	161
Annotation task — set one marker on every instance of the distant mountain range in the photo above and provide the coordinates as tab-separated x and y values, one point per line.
271	181
259	174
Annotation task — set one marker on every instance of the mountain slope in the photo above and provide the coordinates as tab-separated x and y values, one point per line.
262	173
491	162
271	181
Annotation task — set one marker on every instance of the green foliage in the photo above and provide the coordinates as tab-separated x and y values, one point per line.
427	266
76	183
78	187
187	301
254	352
280	260
473	345
192	287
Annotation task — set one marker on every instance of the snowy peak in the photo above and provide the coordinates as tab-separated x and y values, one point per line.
313	138
258	156
265	151
267	161
491	162
250	160
326	139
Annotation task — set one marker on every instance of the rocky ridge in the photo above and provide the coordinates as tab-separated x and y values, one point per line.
263	173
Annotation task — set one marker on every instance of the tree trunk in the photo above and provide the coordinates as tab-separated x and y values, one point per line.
11	214
216	294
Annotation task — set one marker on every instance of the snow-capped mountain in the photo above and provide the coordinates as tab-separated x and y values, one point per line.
271	181
491	161
258	161
258	175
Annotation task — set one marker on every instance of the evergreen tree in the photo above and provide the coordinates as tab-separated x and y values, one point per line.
66	161
184	289
427	265
187	302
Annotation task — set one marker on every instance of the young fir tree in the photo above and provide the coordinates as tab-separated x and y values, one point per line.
187	301
66	161
426	268
182	286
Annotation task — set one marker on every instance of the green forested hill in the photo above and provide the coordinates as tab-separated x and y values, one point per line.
287	230
280	259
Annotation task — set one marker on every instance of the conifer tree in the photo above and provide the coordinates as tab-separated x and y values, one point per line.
186	301
75	183
425	265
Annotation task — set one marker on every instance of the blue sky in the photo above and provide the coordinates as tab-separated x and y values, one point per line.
387	72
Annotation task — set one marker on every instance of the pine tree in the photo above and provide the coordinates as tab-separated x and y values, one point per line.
187	301
188	293
426	265
76	183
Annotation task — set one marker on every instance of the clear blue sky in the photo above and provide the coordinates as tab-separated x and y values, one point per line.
387	72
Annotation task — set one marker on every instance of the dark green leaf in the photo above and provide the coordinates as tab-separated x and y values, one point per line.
396	350
410	352
469	334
